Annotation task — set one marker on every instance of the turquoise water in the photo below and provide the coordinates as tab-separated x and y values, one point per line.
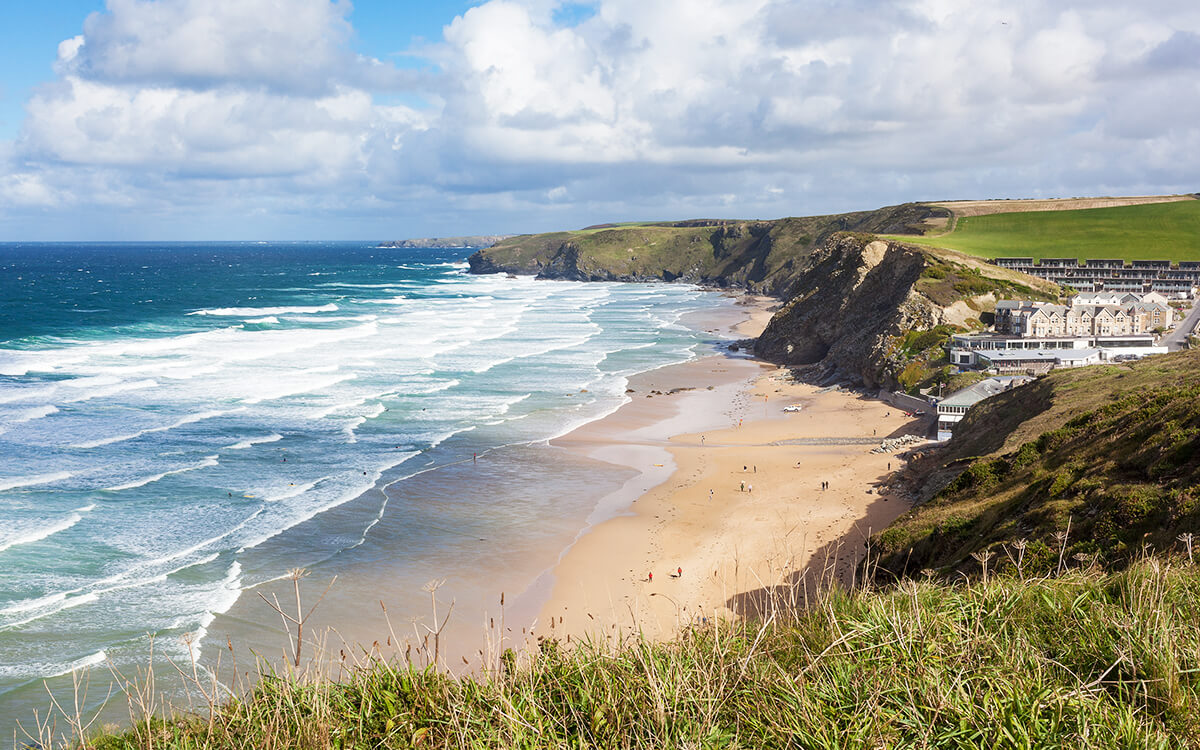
181	423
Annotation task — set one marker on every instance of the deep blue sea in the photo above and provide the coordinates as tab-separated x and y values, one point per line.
172	416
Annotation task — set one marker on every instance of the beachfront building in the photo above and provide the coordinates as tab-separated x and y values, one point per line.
1036	362
998	351
1112	275
954	407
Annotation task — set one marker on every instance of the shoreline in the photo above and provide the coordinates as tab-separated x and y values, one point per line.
692	505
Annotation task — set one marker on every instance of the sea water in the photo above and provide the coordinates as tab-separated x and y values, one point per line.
181	423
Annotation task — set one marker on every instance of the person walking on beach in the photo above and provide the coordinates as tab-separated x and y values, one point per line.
650	577
742	488
710	494
750	488
679	573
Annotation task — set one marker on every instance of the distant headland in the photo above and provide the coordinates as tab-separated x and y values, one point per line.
477	241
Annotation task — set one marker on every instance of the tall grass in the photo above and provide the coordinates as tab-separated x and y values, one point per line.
1088	659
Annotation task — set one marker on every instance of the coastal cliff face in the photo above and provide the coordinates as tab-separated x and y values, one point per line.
765	257
858	297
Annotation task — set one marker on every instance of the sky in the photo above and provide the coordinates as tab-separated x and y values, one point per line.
389	119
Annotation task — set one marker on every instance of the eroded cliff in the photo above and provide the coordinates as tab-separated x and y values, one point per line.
859	296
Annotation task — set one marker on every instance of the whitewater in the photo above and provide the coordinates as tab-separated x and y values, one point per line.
182	423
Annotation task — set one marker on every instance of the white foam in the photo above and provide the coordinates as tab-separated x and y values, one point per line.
293	491
268	319
112	390
39	603
67	602
180	423
88	661
26	394
37	535
245	312
37	412
336	319
209	461
315	384
46	671
248	442
228	591
12	483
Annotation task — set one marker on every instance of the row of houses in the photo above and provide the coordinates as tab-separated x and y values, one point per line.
1087	315
1032	338
1112	275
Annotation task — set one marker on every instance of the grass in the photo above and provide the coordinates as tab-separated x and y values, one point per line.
1109	455
1159	231
1084	659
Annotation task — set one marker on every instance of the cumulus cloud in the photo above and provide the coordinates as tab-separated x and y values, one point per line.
664	108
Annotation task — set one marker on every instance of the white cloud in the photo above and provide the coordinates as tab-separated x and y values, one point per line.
645	108
283	44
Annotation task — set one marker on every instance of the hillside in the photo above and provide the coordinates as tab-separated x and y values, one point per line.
1152	231
1112	450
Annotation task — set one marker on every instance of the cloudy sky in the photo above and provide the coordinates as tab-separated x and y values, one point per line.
311	119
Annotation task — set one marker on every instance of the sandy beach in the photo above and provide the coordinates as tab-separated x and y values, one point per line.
730	500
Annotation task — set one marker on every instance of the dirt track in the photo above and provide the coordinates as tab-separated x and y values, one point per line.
980	208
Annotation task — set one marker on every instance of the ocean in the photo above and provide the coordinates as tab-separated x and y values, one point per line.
182	423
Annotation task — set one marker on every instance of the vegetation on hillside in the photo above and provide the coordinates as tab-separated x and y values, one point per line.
1097	462
1158	231
945	281
1084	659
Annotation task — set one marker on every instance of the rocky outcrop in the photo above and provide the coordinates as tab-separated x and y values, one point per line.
857	297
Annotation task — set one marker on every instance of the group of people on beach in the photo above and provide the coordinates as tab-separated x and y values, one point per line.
677	574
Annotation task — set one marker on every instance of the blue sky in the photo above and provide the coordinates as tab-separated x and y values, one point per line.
30	34
312	119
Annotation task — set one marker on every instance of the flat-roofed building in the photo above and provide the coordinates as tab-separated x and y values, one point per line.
954	407
1039	361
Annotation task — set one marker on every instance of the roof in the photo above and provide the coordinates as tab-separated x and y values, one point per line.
973	394
1038	355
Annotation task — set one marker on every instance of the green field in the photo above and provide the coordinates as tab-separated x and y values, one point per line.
1156	231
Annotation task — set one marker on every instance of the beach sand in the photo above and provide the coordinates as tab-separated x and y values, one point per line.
723	496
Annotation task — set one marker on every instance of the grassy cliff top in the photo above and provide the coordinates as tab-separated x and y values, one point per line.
1083	660
1157	231
763	256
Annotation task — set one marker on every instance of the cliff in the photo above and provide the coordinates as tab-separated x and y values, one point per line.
766	257
856	298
